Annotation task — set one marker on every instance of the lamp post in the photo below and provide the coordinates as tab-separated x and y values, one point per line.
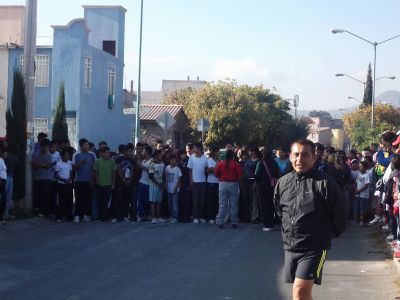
374	44
139	92
354	98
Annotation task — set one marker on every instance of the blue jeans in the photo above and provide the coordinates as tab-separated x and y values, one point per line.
173	204
143	198
228	191
9	196
360	206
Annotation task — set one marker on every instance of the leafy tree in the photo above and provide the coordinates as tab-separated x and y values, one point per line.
241	114
60	127
357	124
320	113
16	132
367	99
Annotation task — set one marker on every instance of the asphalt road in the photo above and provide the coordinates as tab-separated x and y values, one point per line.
40	259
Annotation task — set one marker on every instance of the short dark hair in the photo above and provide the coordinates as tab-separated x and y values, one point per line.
45	143
190	145
172	156
305	142
148	149
82	142
159	141
64	151
91	144
123	148
364	164
317	146
102	143
104	149
41	135
157	152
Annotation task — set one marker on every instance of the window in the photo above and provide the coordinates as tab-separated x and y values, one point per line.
88	72
111	80
41	69
109	47
40	125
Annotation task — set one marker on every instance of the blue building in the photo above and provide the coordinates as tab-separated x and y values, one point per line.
88	56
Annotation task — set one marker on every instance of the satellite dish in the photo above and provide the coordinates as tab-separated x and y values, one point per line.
296	100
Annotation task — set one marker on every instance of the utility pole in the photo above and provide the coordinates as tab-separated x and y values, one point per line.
139	92
29	79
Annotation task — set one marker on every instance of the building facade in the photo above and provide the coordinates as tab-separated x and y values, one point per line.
87	55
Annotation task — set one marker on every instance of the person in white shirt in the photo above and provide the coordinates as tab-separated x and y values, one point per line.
362	194
212	186
197	165
144	182
173	177
3	181
63	174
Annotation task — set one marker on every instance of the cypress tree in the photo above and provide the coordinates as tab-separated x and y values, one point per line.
367	99
16	132
60	127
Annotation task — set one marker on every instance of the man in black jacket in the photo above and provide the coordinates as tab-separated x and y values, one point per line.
312	210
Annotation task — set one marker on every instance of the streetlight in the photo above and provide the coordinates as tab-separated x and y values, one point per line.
364	82
295	104
354	98
375	44
139	92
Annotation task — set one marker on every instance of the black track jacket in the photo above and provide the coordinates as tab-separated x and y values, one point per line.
312	209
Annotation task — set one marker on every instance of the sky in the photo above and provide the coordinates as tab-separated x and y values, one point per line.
284	45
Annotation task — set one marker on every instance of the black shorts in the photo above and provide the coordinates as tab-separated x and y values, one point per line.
307	265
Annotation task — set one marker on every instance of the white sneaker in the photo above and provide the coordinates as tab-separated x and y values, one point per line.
211	221
86	218
58	221
385	227
376	219
160	220
173	221
126	219
202	220
114	221
390	237
268	229
196	221
154	221
76	219
139	219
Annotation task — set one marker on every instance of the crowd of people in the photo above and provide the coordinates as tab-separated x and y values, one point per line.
160	183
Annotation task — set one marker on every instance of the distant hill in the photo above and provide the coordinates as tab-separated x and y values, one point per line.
389	97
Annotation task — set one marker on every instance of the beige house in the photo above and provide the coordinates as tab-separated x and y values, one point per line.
328	132
12	22
152	131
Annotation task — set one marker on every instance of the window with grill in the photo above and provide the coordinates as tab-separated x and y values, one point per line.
88	72
40	125
111	80
41	69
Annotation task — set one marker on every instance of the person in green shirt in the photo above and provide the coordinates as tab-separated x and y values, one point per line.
105	174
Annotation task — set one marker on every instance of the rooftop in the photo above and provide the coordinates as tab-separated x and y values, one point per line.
150	112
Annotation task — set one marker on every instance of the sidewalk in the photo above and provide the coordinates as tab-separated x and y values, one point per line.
357	267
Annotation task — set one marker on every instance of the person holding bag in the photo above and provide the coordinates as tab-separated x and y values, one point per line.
266	176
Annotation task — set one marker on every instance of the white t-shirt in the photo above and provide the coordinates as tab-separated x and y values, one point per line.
145	173
55	158
172	176
362	180
63	170
211	163
198	166
3	169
